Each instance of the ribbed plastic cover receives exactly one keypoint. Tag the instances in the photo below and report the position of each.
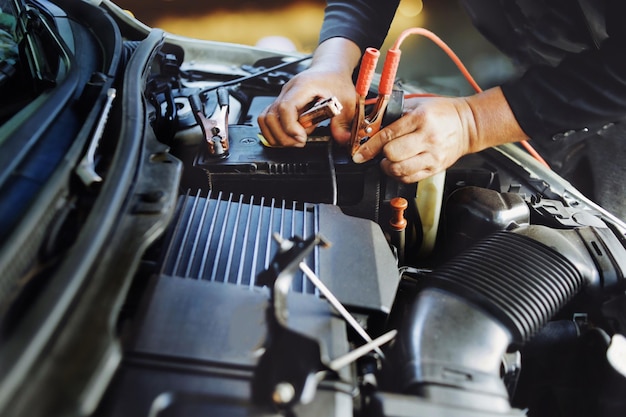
(228, 238)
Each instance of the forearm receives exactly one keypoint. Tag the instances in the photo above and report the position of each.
(365, 22)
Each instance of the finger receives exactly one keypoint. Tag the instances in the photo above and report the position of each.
(377, 142)
(411, 170)
(341, 127)
(265, 131)
(273, 131)
(268, 122)
(288, 118)
(404, 147)
(373, 146)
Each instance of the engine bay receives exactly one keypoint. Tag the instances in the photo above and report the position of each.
(295, 282)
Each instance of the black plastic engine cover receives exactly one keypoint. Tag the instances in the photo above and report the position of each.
(196, 343)
(201, 328)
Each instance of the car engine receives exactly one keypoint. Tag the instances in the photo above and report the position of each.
(295, 282)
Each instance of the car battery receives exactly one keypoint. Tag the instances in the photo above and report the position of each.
(320, 172)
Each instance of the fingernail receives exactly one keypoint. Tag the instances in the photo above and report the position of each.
(357, 158)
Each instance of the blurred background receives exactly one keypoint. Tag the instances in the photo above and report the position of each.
(295, 24)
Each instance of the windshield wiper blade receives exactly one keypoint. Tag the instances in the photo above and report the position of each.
(42, 49)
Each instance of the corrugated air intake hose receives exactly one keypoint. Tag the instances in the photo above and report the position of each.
(494, 295)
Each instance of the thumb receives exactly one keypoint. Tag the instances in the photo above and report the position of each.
(341, 128)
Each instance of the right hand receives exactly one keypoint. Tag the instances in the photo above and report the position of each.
(434, 132)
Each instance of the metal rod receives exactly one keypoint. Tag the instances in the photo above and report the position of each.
(352, 356)
(337, 304)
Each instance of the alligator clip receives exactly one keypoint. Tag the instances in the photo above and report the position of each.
(367, 125)
(320, 110)
(215, 129)
(219, 144)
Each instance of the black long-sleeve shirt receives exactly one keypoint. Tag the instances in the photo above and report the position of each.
(575, 54)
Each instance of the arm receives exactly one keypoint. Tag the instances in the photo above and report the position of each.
(365, 22)
(349, 27)
(586, 89)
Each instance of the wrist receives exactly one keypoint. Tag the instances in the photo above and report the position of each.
(491, 121)
(338, 55)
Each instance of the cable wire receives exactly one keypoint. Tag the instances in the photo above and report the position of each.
(255, 75)
(332, 172)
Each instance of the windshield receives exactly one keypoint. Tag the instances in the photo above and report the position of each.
(9, 53)
(8, 43)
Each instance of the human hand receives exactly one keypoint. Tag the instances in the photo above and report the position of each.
(279, 121)
(430, 136)
(330, 74)
(435, 132)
